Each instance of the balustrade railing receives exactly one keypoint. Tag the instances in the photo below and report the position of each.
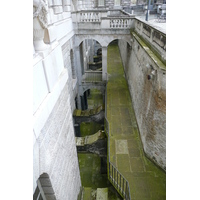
(104, 18)
(155, 37)
(119, 23)
(89, 17)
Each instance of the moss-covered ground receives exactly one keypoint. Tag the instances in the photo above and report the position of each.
(90, 164)
(146, 180)
(95, 99)
(91, 177)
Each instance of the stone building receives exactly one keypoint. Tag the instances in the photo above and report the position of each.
(60, 59)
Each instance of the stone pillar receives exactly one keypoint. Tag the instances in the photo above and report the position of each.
(78, 64)
(104, 63)
(79, 102)
(151, 36)
(79, 75)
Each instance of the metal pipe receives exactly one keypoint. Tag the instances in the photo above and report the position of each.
(147, 14)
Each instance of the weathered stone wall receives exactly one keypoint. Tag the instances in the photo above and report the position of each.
(54, 90)
(148, 99)
(67, 47)
(55, 150)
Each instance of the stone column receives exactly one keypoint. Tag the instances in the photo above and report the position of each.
(78, 64)
(79, 102)
(79, 74)
(104, 63)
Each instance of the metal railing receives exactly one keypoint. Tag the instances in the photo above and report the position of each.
(119, 182)
(115, 177)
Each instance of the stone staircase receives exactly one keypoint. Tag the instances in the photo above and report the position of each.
(92, 194)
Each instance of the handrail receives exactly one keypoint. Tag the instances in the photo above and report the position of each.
(115, 177)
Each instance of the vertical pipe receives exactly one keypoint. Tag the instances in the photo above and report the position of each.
(147, 14)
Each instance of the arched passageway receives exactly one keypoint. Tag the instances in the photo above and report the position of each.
(44, 189)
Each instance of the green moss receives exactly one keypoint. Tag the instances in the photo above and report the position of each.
(145, 179)
(150, 50)
(89, 128)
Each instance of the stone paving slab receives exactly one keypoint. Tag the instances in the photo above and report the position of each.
(146, 180)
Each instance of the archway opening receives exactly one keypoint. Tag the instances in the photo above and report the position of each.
(44, 189)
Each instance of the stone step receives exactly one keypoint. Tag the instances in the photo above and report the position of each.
(87, 193)
(102, 194)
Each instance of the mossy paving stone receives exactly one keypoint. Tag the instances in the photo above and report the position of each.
(125, 112)
(123, 164)
(115, 111)
(87, 193)
(134, 152)
(145, 173)
(137, 164)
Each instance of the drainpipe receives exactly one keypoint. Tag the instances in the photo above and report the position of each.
(147, 14)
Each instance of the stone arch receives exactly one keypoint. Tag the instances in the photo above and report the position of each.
(79, 39)
(101, 88)
(104, 40)
(44, 189)
(128, 40)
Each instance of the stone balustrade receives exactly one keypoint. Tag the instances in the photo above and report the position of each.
(101, 19)
(89, 17)
(156, 38)
(119, 23)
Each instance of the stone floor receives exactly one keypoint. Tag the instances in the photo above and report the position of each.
(146, 180)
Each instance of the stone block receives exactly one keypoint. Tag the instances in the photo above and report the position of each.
(40, 88)
(57, 9)
(50, 34)
(53, 66)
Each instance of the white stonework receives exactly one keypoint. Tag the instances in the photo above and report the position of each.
(40, 10)
(60, 56)
(54, 148)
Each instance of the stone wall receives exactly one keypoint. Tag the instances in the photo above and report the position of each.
(148, 99)
(54, 90)
(55, 150)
